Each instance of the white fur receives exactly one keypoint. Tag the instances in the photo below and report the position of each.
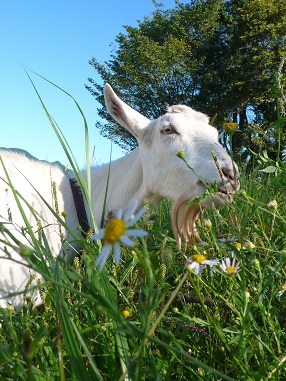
(152, 171)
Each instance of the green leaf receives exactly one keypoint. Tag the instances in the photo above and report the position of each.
(270, 169)
(72, 345)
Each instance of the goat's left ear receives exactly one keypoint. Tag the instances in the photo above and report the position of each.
(125, 115)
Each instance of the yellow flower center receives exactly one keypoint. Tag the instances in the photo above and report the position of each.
(237, 245)
(113, 231)
(230, 270)
(199, 258)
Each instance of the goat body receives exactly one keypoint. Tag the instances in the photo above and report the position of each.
(152, 171)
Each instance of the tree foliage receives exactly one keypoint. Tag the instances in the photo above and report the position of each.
(220, 57)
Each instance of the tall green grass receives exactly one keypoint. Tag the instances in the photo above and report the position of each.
(148, 318)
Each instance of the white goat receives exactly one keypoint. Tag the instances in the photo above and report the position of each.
(152, 171)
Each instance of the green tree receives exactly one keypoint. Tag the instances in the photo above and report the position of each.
(217, 56)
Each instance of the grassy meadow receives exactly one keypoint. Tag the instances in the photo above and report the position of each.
(151, 317)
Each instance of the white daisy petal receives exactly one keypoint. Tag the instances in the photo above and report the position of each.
(98, 235)
(195, 267)
(136, 217)
(117, 253)
(136, 232)
(202, 267)
(211, 262)
(127, 241)
(102, 258)
(118, 214)
(131, 211)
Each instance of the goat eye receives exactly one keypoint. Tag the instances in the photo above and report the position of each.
(168, 130)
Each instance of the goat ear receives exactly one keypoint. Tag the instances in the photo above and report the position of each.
(125, 115)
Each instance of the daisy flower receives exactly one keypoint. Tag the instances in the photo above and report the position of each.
(238, 246)
(115, 232)
(197, 263)
(283, 289)
(229, 266)
(272, 204)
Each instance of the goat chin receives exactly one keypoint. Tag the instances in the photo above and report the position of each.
(183, 219)
(184, 216)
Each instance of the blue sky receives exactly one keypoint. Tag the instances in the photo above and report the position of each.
(56, 39)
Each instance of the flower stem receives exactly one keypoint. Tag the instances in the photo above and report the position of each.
(215, 324)
(159, 318)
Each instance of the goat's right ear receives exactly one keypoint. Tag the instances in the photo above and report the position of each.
(125, 115)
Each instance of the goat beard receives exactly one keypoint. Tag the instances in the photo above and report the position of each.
(183, 218)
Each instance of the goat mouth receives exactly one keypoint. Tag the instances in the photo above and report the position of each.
(226, 194)
(225, 191)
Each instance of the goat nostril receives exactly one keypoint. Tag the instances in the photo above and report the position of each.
(230, 174)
